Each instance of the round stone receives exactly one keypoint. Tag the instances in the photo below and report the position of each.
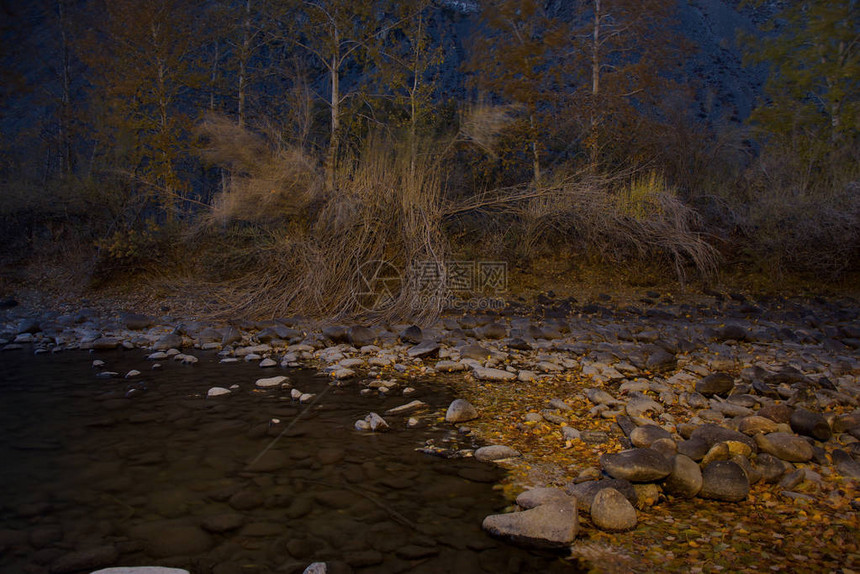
(611, 511)
(724, 480)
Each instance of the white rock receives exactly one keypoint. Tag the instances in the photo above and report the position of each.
(306, 398)
(342, 373)
(407, 408)
(132, 373)
(159, 356)
(271, 381)
(227, 360)
(316, 568)
(217, 392)
(141, 570)
(490, 374)
(266, 363)
(296, 394)
(97, 364)
(190, 360)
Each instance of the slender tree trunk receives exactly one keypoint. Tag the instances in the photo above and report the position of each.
(334, 144)
(535, 148)
(244, 56)
(595, 87)
(66, 160)
(213, 79)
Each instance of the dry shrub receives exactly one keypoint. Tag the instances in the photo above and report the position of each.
(481, 124)
(266, 183)
(794, 231)
(615, 218)
(383, 210)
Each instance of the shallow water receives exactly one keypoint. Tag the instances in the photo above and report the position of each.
(168, 477)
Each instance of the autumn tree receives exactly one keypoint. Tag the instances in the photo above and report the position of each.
(144, 62)
(811, 50)
(334, 32)
(407, 61)
(625, 52)
(516, 59)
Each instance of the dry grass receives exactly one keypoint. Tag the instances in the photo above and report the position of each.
(606, 217)
(314, 245)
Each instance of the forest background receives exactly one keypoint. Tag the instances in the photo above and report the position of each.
(277, 146)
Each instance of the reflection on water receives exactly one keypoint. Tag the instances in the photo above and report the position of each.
(146, 471)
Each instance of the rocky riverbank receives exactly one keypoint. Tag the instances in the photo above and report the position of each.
(717, 435)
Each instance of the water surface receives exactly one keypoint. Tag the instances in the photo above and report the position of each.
(149, 470)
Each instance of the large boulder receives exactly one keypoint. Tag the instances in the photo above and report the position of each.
(137, 321)
(584, 492)
(612, 511)
(495, 452)
(636, 465)
(715, 384)
(460, 410)
(724, 480)
(646, 435)
(169, 341)
(685, 480)
(490, 374)
(360, 336)
(811, 424)
(476, 352)
(712, 434)
(785, 446)
(550, 525)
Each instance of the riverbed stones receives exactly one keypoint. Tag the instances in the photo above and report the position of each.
(372, 422)
(412, 334)
(715, 384)
(685, 480)
(217, 392)
(754, 424)
(359, 336)
(272, 382)
(424, 350)
(636, 465)
(460, 411)
(141, 570)
(712, 434)
(550, 525)
(491, 374)
(785, 446)
(541, 495)
(724, 480)
(845, 464)
(611, 511)
(408, 408)
(645, 435)
(770, 467)
(169, 341)
(808, 423)
(585, 491)
(495, 452)
(474, 351)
